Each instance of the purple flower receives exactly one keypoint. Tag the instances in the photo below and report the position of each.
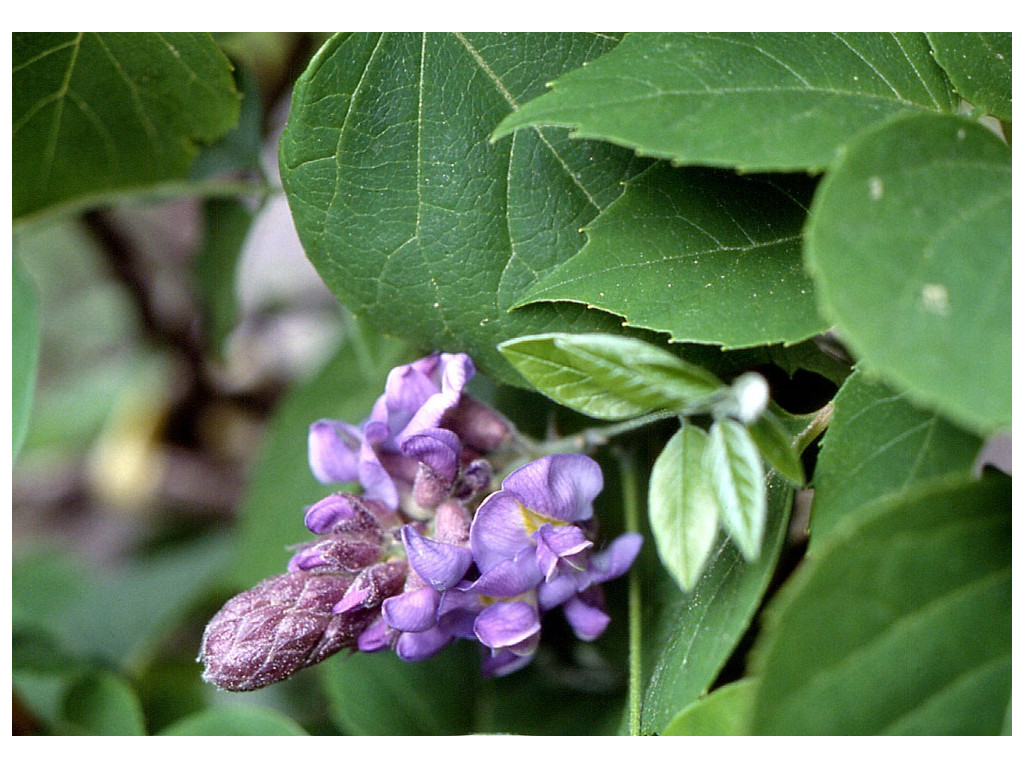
(550, 494)
(416, 398)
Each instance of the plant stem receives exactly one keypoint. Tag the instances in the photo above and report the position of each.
(822, 418)
(631, 509)
(592, 438)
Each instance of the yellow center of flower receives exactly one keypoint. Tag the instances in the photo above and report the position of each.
(532, 521)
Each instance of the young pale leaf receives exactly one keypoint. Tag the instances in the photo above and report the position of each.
(909, 244)
(980, 66)
(610, 377)
(24, 351)
(683, 509)
(901, 625)
(235, 721)
(754, 101)
(99, 112)
(737, 478)
(412, 217)
(724, 712)
(704, 255)
(696, 633)
(877, 443)
(776, 446)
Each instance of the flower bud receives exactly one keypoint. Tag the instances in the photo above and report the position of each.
(479, 426)
(278, 627)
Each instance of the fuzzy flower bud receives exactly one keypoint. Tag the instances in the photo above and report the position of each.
(281, 625)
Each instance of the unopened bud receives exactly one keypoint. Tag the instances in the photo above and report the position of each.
(479, 426)
(278, 627)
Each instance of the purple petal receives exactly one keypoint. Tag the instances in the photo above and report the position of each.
(616, 559)
(418, 646)
(503, 662)
(506, 624)
(376, 481)
(414, 611)
(333, 448)
(458, 611)
(565, 543)
(498, 531)
(587, 621)
(327, 513)
(376, 637)
(456, 371)
(438, 448)
(440, 565)
(562, 486)
(509, 578)
(561, 588)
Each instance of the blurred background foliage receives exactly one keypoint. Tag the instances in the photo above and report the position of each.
(170, 325)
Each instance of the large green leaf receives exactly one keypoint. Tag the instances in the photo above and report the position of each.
(697, 632)
(282, 483)
(412, 217)
(879, 443)
(609, 377)
(901, 625)
(755, 101)
(683, 508)
(704, 255)
(24, 351)
(980, 65)
(97, 112)
(235, 721)
(909, 244)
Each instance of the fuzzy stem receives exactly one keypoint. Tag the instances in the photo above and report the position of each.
(631, 511)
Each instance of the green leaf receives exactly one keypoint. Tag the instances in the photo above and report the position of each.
(102, 704)
(736, 474)
(696, 633)
(97, 112)
(282, 484)
(683, 508)
(609, 377)
(902, 625)
(724, 712)
(878, 443)
(704, 255)
(979, 64)
(235, 720)
(909, 244)
(227, 224)
(24, 351)
(381, 695)
(755, 101)
(412, 217)
(775, 445)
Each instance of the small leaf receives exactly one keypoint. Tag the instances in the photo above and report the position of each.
(24, 351)
(755, 101)
(683, 248)
(683, 509)
(980, 66)
(877, 443)
(96, 112)
(901, 625)
(737, 479)
(102, 704)
(696, 633)
(776, 446)
(610, 377)
(235, 721)
(724, 712)
(909, 243)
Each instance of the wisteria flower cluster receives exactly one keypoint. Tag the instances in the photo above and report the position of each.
(429, 552)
